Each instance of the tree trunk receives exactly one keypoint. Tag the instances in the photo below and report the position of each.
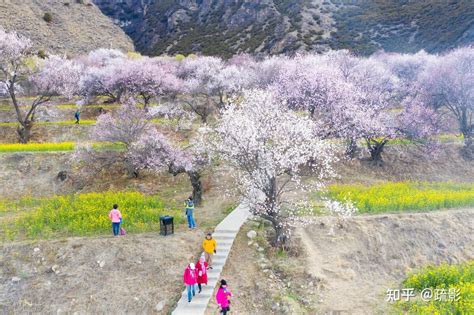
(132, 172)
(221, 100)
(24, 132)
(376, 148)
(281, 236)
(468, 149)
(195, 179)
(351, 148)
(204, 115)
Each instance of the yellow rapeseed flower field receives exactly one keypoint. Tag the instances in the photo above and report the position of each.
(85, 214)
(54, 146)
(37, 147)
(403, 196)
(453, 283)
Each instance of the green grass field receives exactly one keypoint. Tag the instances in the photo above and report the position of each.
(405, 196)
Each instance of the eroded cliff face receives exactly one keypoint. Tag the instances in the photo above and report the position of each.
(74, 28)
(226, 27)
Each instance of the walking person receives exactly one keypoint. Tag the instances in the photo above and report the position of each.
(201, 268)
(223, 296)
(77, 115)
(189, 204)
(190, 280)
(210, 247)
(116, 217)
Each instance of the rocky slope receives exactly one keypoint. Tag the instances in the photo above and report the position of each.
(225, 27)
(76, 26)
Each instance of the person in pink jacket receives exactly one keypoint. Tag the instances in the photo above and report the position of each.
(116, 217)
(190, 280)
(223, 296)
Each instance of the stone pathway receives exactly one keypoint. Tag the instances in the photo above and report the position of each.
(224, 234)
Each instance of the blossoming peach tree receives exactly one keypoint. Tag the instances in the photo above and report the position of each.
(21, 69)
(277, 157)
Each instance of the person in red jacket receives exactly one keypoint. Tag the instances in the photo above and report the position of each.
(201, 268)
(190, 279)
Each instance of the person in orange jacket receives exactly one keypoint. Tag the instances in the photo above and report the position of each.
(210, 247)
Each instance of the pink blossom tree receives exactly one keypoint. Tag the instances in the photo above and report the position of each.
(269, 145)
(209, 82)
(449, 83)
(375, 96)
(103, 81)
(200, 84)
(18, 67)
(147, 78)
(154, 152)
(124, 126)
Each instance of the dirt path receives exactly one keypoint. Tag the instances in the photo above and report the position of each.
(359, 263)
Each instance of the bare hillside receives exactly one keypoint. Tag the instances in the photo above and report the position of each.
(74, 27)
(134, 274)
(357, 264)
(343, 271)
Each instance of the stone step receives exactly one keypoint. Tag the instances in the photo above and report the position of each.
(224, 231)
(224, 242)
(214, 258)
(223, 237)
(198, 296)
(223, 247)
(190, 309)
(224, 234)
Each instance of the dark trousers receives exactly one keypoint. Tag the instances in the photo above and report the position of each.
(224, 310)
(116, 228)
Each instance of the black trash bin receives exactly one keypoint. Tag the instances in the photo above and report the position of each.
(166, 225)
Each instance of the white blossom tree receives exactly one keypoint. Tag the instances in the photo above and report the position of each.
(271, 148)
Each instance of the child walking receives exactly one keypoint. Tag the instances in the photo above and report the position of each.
(201, 267)
(209, 246)
(116, 217)
(223, 297)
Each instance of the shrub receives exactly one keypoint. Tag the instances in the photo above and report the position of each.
(41, 54)
(48, 17)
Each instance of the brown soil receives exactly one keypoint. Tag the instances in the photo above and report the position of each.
(358, 263)
(138, 272)
(264, 281)
(344, 271)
